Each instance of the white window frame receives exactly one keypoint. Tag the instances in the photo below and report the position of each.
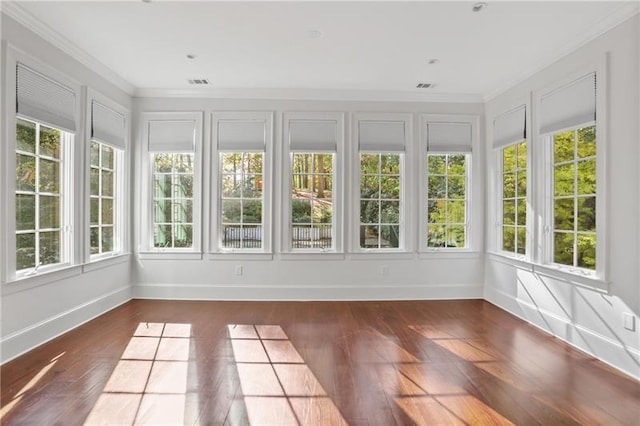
(337, 185)
(474, 185)
(121, 187)
(147, 249)
(215, 248)
(407, 185)
(500, 198)
(70, 187)
(544, 200)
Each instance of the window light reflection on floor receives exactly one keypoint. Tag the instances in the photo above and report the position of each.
(277, 385)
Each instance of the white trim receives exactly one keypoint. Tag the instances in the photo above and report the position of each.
(104, 262)
(626, 10)
(22, 341)
(14, 10)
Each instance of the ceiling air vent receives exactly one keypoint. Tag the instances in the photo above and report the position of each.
(199, 81)
(425, 86)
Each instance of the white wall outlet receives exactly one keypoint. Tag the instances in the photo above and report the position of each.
(629, 321)
(238, 269)
(384, 269)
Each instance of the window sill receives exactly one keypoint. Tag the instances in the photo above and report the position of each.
(556, 272)
(311, 255)
(174, 255)
(42, 278)
(104, 262)
(382, 255)
(449, 254)
(238, 255)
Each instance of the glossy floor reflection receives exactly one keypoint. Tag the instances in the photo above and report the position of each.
(313, 363)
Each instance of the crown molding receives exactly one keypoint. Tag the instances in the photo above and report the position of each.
(20, 15)
(615, 18)
(310, 94)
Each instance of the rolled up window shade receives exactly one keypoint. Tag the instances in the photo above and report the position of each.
(45, 100)
(241, 135)
(308, 135)
(171, 135)
(569, 106)
(510, 127)
(382, 136)
(107, 126)
(449, 137)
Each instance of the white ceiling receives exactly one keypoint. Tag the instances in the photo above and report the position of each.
(379, 46)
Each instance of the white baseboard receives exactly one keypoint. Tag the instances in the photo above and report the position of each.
(21, 341)
(306, 293)
(605, 349)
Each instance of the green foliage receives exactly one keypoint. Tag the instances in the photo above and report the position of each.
(446, 192)
(514, 192)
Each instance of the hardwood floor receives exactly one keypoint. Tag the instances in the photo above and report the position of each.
(313, 363)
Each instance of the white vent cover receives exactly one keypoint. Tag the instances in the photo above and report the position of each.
(199, 81)
(425, 86)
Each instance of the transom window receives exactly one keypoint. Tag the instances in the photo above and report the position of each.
(312, 200)
(241, 199)
(39, 189)
(574, 198)
(447, 200)
(380, 192)
(173, 200)
(514, 198)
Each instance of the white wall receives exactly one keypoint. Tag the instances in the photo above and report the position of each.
(587, 318)
(410, 276)
(37, 309)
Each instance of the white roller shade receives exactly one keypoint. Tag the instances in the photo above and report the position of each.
(171, 135)
(510, 127)
(313, 135)
(449, 137)
(107, 126)
(569, 106)
(383, 136)
(241, 135)
(45, 100)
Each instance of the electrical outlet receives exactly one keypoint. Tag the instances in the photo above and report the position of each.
(629, 321)
(384, 270)
(238, 269)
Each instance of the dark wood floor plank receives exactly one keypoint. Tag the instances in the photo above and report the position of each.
(312, 363)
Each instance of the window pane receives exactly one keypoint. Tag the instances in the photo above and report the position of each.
(95, 182)
(49, 142)
(587, 142)
(49, 247)
(183, 163)
(162, 236)
(456, 187)
(49, 212)
(522, 240)
(390, 164)
(107, 183)
(231, 186)
(587, 177)
(163, 163)
(162, 211)
(437, 211)
(25, 212)
(455, 211)
(26, 136)
(231, 163)
(509, 159)
(390, 212)
(522, 184)
(563, 213)
(389, 236)
(162, 186)
(252, 211)
(563, 147)
(436, 164)
(185, 186)
(436, 236)
(95, 154)
(94, 237)
(508, 185)
(563, 180)
(508, 238)
(369, 163)
(522, 156)
(587, 214)
(25, 173)
(522, 211)
(509, 212)
(370, 211)
(563, 248)
(390, 188)
(455, 236)
(231, 211)
(107, 212)
(182, 211)
(456, 165)
(252, 236)
(369, 186)
(183, 235)
(107, 157)
(587, 251)
(369, 236)
(25, 251)
(437, 186)
(49, 176)
(321, 212)
(107, 239)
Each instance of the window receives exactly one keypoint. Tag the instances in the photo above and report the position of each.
(568, 128)
(514, 198)
(312, 200)
(447, 200)
(446, 186)
(380, 181)
(241, 196)
(40, 185)
(106, 179)
(574, 198)
(173, 200)
(172, 226)
(241, 182)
